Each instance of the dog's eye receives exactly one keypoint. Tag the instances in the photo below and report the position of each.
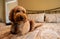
(23, 11)
(18, 11)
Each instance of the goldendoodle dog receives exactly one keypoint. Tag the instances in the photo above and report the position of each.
(20, 23)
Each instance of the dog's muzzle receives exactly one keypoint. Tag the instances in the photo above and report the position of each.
(20, 17)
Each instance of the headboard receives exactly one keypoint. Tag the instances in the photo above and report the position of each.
(50, 11)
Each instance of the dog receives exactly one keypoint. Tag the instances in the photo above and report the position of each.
(20, 23)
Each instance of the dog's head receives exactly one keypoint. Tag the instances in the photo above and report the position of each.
(18, 14)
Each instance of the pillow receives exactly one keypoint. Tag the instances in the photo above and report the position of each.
(36, 17)
(50, 18)
(58, 18)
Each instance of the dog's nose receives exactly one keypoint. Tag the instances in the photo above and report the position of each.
(21, 18)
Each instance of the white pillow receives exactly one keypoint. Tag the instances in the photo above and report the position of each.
(36, 17)
(58, 17)
(50, 18)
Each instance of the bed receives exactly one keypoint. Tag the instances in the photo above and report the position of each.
(50, 28)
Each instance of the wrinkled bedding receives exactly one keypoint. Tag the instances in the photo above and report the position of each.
(46, 31)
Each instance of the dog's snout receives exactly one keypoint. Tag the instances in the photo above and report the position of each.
(21, 17)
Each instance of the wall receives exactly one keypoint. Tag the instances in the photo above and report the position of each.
(2, 10)
(39, 4)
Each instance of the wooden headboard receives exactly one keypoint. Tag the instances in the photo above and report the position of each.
(50, 11)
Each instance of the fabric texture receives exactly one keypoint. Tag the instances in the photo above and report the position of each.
(36, 17)
(58, 18)
(50, 18)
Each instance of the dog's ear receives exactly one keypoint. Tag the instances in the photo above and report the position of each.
(11, 15)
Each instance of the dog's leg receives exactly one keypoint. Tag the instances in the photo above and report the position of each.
(15, 29)
(33, 26)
